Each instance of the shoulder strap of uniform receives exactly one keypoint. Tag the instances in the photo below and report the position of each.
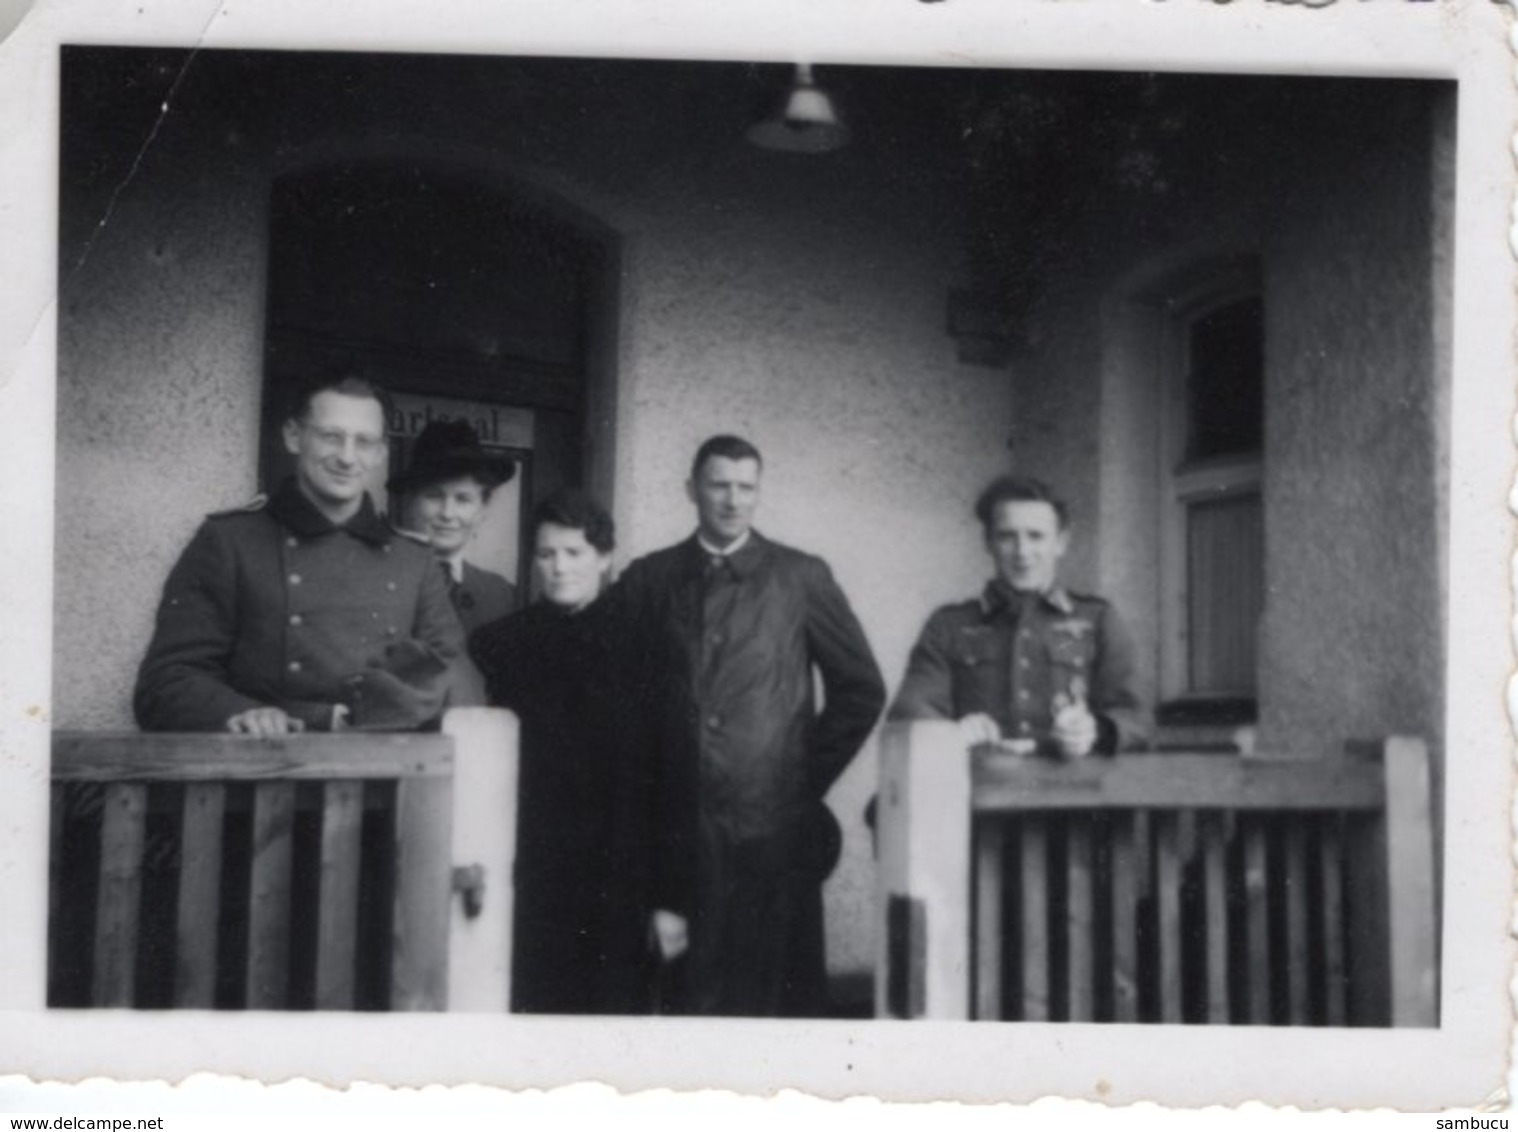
(1088, 599)
(257, 503)
(415, 536)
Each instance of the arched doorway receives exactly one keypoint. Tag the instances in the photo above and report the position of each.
(465, 298)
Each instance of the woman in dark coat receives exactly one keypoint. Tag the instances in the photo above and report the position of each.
(579, 936)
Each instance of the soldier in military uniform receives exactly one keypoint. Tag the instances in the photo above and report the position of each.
(1027, 665)
(305, 611)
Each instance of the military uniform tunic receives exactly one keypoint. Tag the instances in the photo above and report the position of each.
(277, 606)
(1017, 658)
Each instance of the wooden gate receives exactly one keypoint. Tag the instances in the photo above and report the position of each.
(221, 870)
(1164, 887)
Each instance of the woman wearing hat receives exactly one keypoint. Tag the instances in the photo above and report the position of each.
(445, 491)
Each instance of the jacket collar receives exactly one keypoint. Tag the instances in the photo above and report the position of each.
(998, 597)
(293, 510)
(742, 562)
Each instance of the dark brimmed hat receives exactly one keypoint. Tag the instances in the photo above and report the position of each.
(447, 450)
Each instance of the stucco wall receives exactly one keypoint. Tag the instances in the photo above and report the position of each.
(1344, 213)
(1353, 628)
(799, 302)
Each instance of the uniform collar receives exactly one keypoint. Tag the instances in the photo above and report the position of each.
(999, 597)
(293, 510)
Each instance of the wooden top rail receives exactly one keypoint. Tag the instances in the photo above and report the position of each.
(131, 756)
(1016, 783)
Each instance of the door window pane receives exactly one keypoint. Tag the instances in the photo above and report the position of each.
(1226, 587)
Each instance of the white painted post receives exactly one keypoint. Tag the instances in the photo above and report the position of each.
(924, 816)
(485, 761)
(1411, 923)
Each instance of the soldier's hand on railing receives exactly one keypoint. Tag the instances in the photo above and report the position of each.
(978, 728)
(668, 934)
(1075, 729)
(264, 721)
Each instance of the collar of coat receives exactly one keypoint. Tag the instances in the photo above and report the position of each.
(742, 562)
(293, 510)
(1002, 598)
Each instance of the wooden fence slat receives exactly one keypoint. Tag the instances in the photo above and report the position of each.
(1011, 783)
(1167, 883)
(423, 888)
(1331, 867)
(1215, 894)
(1033, 833)
(1125, 896)
(990, 841)
(118, 903)
(197, 915)
(337, 907)
(1295, 902)
(268, 974)
(1256, 926)
(55, 902)
(159, 757)
(1080, 919)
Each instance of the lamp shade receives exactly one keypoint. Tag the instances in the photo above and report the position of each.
(806, 122)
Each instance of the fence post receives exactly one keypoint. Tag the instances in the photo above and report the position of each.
(1410, 866)
(484, 835)
(923, 967)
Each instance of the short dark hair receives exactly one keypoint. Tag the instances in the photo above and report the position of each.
(1018, 489)
(347, 381)
(577, 510)
(724, 446)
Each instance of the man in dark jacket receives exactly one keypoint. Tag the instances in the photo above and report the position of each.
(1028, 664)
(737, 625)
(305, 611)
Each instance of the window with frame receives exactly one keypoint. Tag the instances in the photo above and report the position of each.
(1214, 567)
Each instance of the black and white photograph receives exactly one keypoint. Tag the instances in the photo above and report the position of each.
(840, 551)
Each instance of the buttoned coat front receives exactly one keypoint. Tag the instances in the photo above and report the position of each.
(746, 757)
(276, 606)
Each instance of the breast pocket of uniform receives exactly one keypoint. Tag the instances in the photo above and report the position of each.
(1072, 647)
(978, 646)
(980, 661)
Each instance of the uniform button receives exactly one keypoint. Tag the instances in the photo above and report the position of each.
(1023, 662)
(714, 721)
(387, 548)
(390, 586)
(295, 618)
(294, 666)
(716, 638)
(292, 542)
(391, 631)
(295, 579)
(374, 615)
(1022, 695)
(1023, 727)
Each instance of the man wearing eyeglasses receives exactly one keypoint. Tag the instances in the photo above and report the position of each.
(305, 611)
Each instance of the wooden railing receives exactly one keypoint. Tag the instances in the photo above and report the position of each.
(310, 871)
(1155, 887)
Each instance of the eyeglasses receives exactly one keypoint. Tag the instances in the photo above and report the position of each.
(335, 440)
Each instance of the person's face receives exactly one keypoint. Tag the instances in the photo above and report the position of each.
(725, 493)
(336, 447)
(448, 512)
(570, 570)
(1026, 543)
